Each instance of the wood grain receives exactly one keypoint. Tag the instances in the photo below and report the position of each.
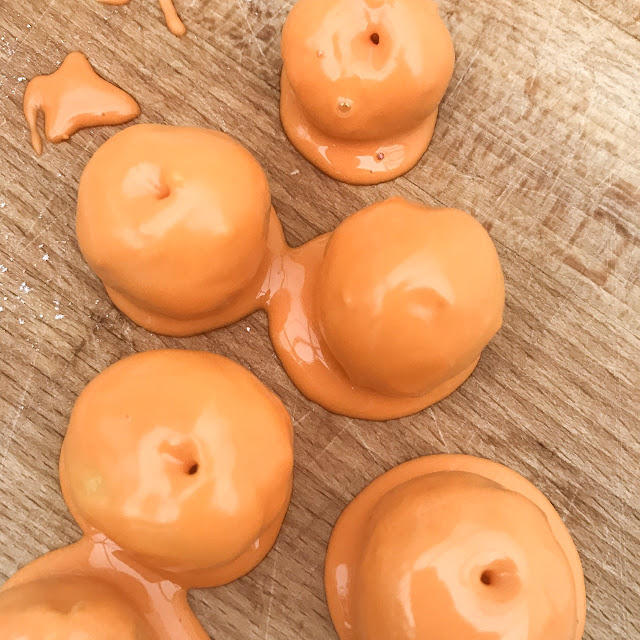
(538, 137)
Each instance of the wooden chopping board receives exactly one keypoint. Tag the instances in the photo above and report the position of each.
(538, 136)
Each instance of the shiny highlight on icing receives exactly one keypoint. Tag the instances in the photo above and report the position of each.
(452, 546)
(379, 319)
(74, 97)
(361, 84)
(177, 465)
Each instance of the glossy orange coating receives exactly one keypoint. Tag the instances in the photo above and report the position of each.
(204, 464)
(178, 467)
(379, 319)
(72, 98)
(162, 603)
(361, 84)
(174, 24)
(453, 546)
(389, 313)
(177, 222)
(70, 607)
(409, 296)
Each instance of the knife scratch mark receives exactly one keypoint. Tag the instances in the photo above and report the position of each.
(253, 35)
(28, 33)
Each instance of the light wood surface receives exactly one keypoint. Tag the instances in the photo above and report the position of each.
(538, 137)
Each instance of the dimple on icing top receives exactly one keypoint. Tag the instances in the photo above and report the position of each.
(361, 84)
(453, 546)
(177, 465)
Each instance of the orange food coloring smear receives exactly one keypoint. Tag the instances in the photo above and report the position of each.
(72, 98)
(174, 24)
(178, 466)
(453, 546)
(361, 84)
(380, 319)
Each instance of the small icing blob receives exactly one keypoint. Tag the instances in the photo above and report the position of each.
(389, 313)
(453, 547)
(72, 98)
(183, 459)
(67, 608)
(177, 222)
(174, 24)
(361, 84)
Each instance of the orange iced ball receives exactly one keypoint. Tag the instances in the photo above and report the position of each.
(453, 553)
(69, 608)
(182, 458)
(174, 221)
(361, 83)
(409, 296)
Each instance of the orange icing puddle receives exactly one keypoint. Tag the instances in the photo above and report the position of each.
(361, 84)
(380, 319)
(452, 546)
(74, 97)
(175, 25)
(174, 487)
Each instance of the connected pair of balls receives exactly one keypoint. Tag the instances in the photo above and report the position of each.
(379, 319)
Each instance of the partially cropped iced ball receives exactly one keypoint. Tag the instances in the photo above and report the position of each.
(174, 221)
(453, 553)
(182, 458)
(69, 608)
(361, 84)
(409, 296)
